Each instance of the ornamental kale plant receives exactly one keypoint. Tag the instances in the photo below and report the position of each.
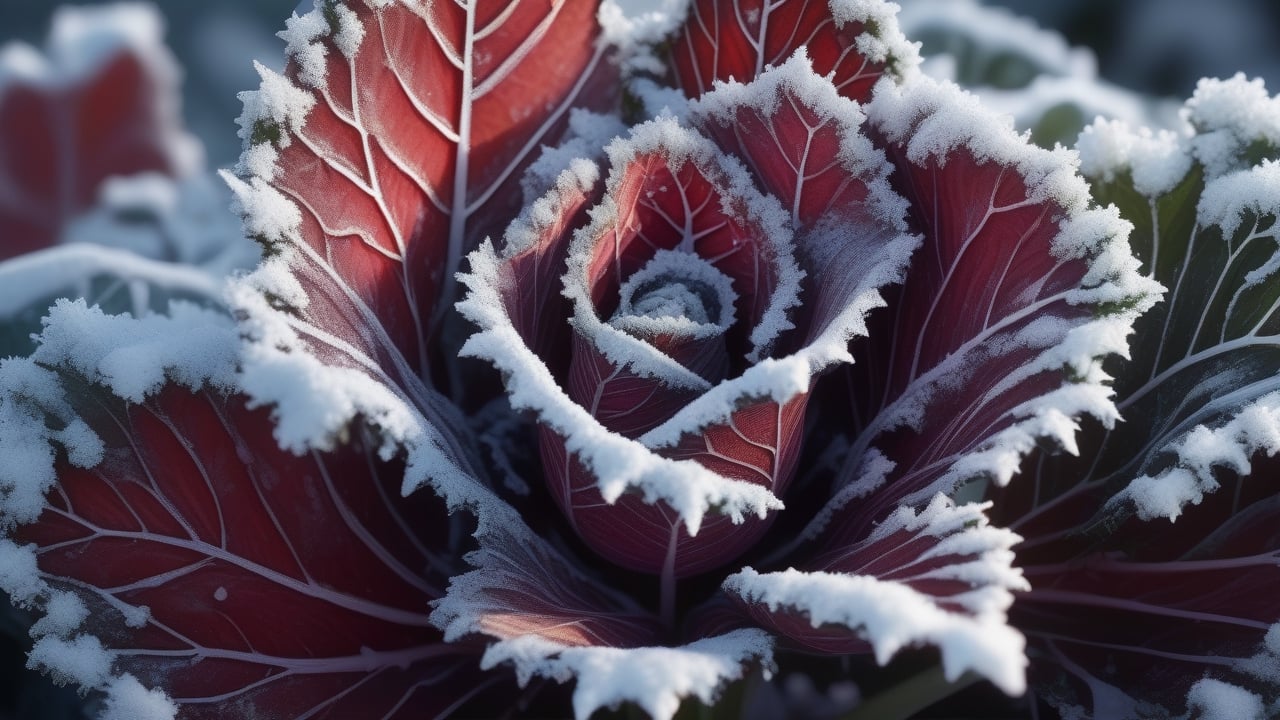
(597, 362)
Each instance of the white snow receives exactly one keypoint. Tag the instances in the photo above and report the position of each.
(350, 31)
(1229, 198)
(930, 119)
(582, 146)
(136, 356)
(1229, 116)
(668, 304)
(312, 402)
(31, 396)
(893, 616)
(887, 44)
(19, 573)
(127, 699)
(66, 270)
(635, 26)
(1157, 161)
(617, 462)
(677, 145)
(279, 103)
(81, 660)
(302, 35)
(63, 613)
(1212, 699)
(655, 678)
(182, 222)
(1254, 429)
(266, 212)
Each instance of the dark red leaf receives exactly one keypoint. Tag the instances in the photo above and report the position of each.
(760, 444)
(274, 585)
(939, 578)
(976, 357)
(740, 38)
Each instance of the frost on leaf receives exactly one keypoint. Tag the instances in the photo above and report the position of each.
(100, 102)
(941, 577)
(995, 341)
(1165, 525)
(853, 41)
(686, 375)
(420, 117)
(182, 549)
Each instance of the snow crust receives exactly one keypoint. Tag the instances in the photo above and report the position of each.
(618, 463)
(931, 119)
(612, 661)
(134, 357)
(884, 42)
(1254, 429)
(302, 36)
(1229, 199)
(655, 678)
(668, 305)
(1157, 161)
(1212, 699)
(131, 358)
(279, 104)
(1229, 116)
(313, 402)
(636, 26)
(678, 145)
(127, 699)
(781, 379)
(1226, 118)
(893, 616)
(81, 659)
(583, 146)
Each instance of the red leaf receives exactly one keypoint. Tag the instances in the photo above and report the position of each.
(977, 349)
(760, 444)
(273, 584)
(101, 104)
(739, 39)
(670, 192)
(940, 578)
(423, 133)
(663, 201)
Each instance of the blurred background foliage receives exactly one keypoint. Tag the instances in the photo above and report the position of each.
(1155, 47)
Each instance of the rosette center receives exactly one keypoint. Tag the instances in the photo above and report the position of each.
(675, 294)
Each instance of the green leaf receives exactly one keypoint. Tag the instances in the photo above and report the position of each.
(1129, 610)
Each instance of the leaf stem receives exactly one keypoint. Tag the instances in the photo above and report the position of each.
(911, 696)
